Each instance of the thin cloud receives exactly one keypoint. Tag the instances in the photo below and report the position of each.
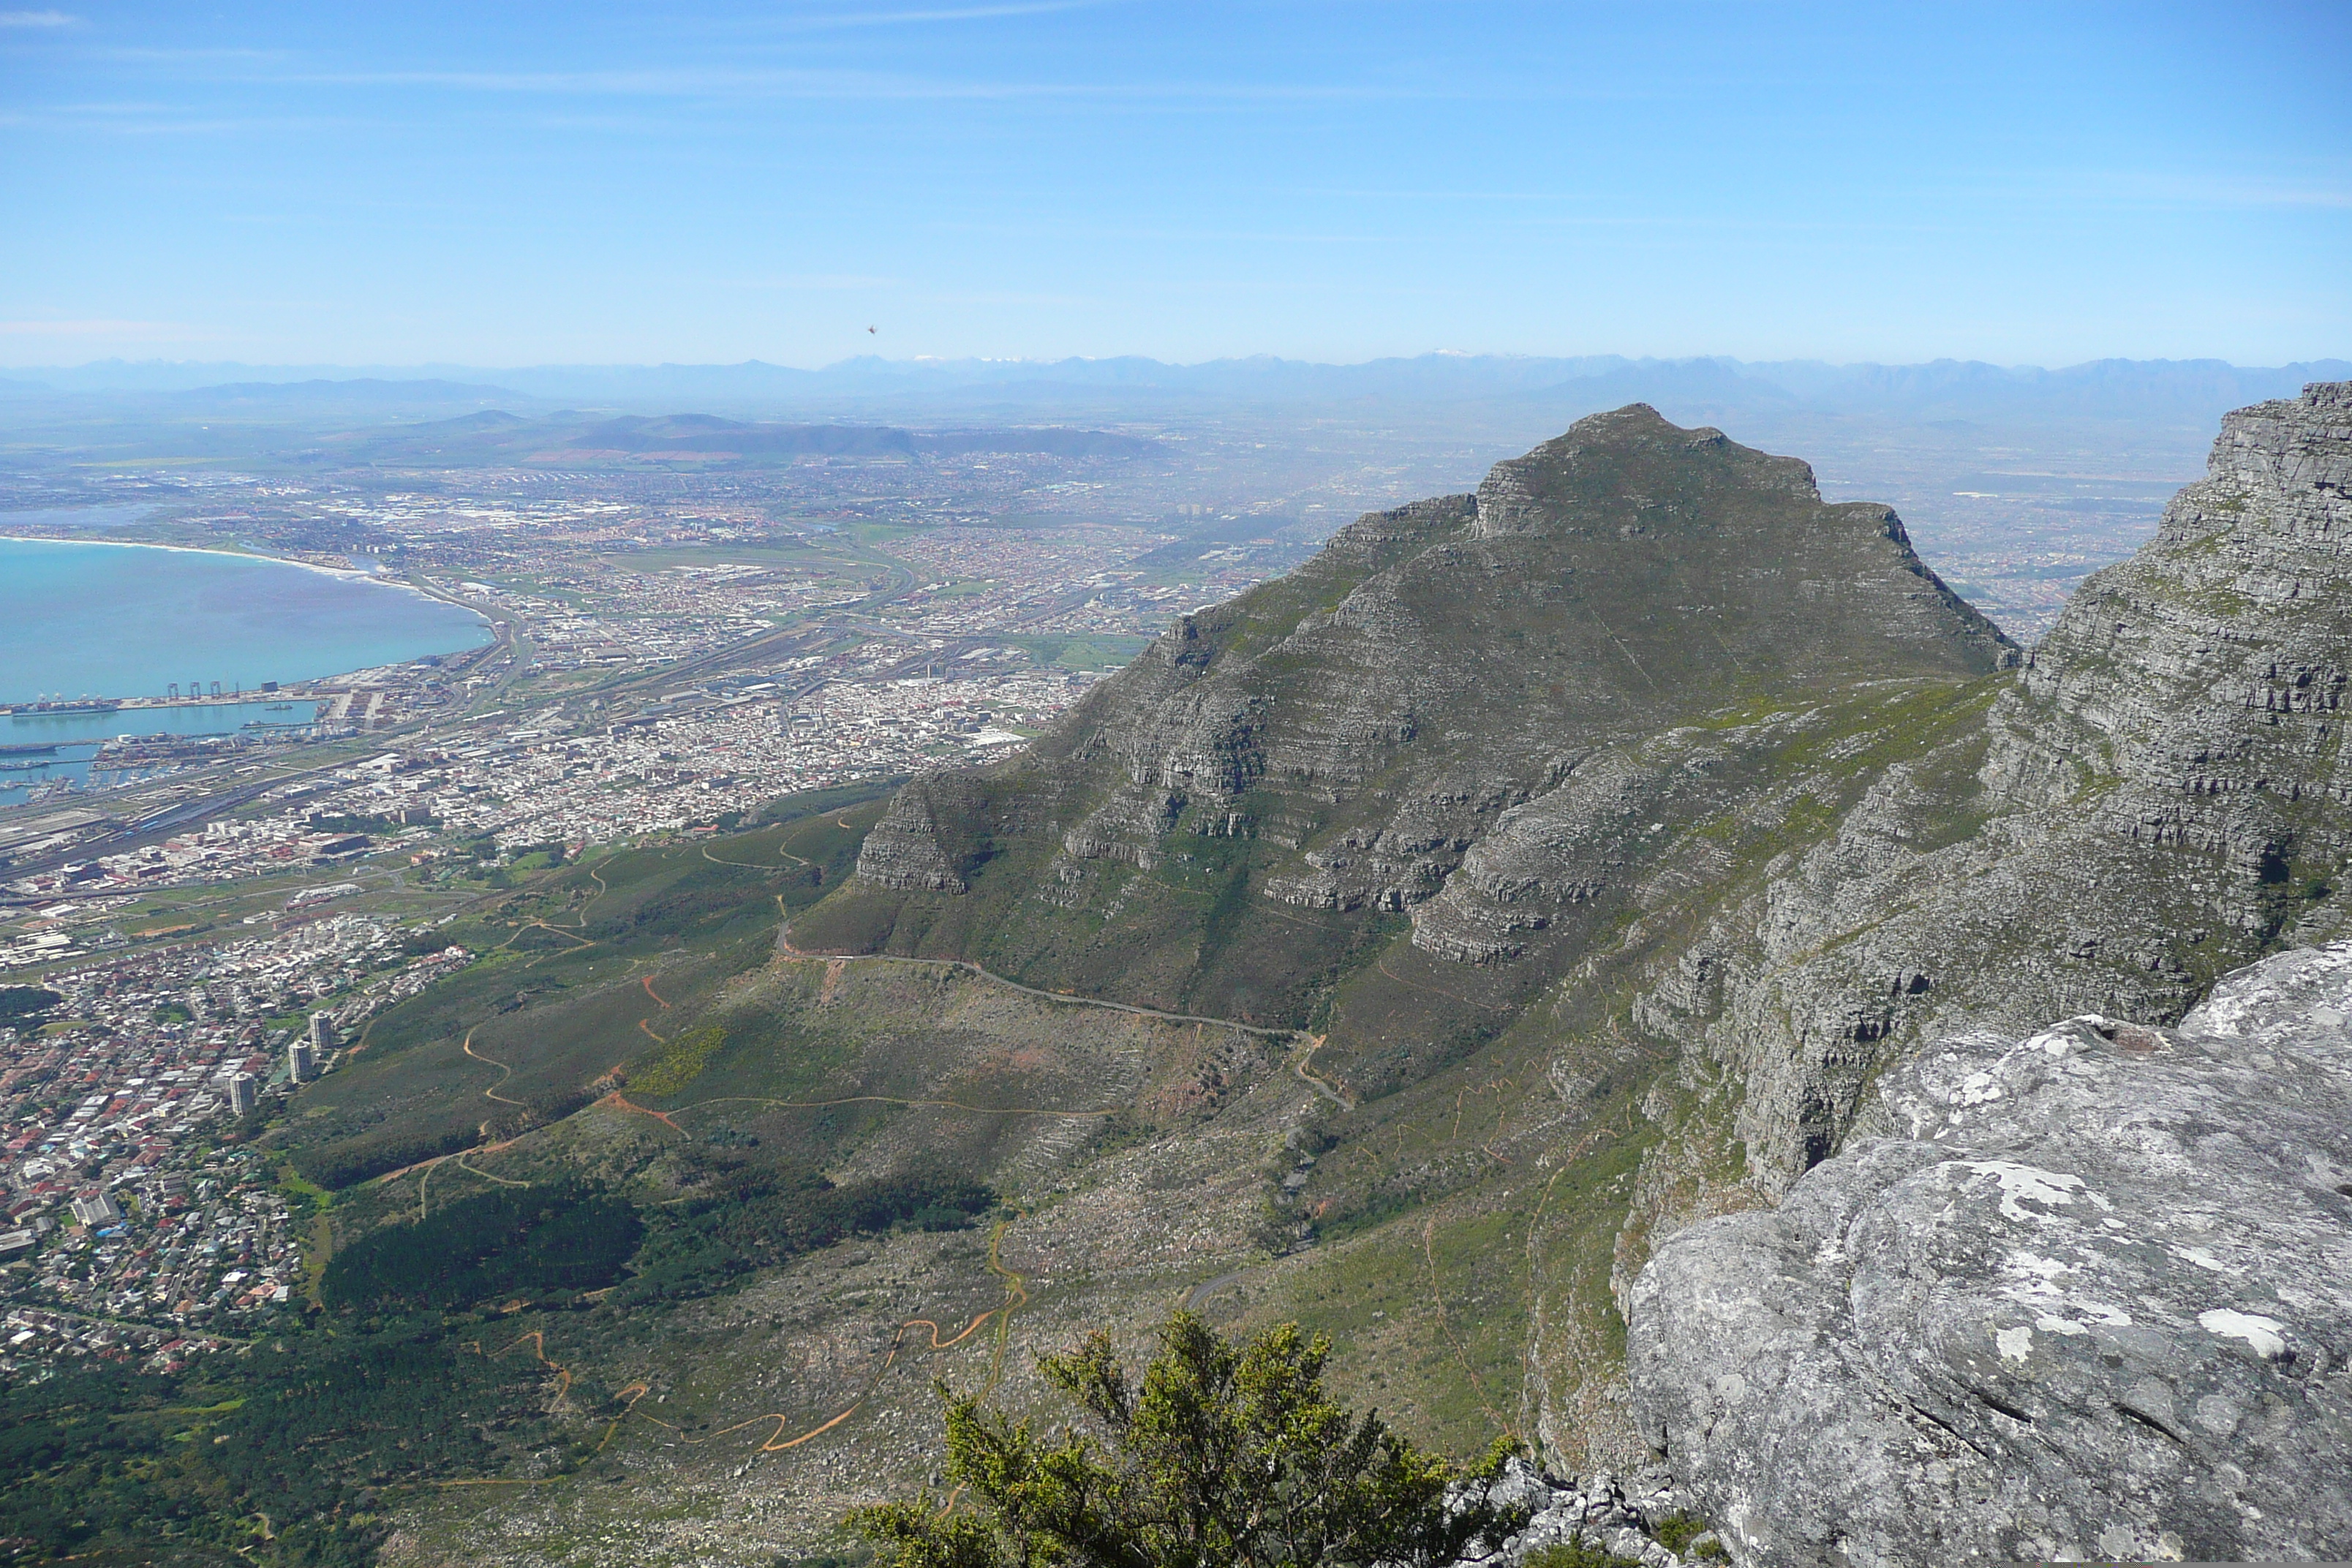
(175, 57)
(162, 120)
(2254, 193)
(2321, 189)
(992, 296)
(37, 19)
(696, 82)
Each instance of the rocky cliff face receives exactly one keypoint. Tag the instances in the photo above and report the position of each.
(2158, 796)
(2084, 1297)
(2203, 676)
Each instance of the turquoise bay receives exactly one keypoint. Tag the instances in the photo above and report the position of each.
(125, 620)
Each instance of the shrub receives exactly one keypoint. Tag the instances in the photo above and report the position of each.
(1578, 1553)
(1221, 1455)
(20, 1004)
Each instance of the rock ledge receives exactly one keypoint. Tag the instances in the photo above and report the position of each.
(2085, 1296)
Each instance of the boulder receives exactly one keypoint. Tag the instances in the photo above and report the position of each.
(2084, 1294)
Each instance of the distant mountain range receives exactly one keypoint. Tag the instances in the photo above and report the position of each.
(493, 434)
(2140, 390)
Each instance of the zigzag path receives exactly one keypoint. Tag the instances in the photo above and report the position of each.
(1309, 1044)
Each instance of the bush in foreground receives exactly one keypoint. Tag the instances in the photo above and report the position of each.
(1222, 1456)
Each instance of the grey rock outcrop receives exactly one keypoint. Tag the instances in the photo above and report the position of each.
(903, 849)
(2209, 667)
(2084, 1294)
(1604, 1511)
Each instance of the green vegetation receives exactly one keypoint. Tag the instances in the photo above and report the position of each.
(677, 1062)
(1096, 651)
(22, 1003)
(753, 1219)
(515, 1240)
(819, 802)
(1578, 1553)
(282, 1455)
(1221, 1455)
(334, 1168)
(1677, 1531)
(578, 971)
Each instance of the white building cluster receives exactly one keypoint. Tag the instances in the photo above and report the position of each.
(128, 1195)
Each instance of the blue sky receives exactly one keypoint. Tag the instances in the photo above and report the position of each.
(515, 183)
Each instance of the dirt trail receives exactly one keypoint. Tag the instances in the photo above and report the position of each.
(1444, 1327)
(646, 1023)
(486, 1146)
(785, 949)
(1309, 1044)
(504, 1072)
(892, 1099)
(1382, 965)
(478, 1171)
(570, 933)
(537, 1341)
(1202, 1292)
(620, 1101)
(782, 854)
(1016, 1296)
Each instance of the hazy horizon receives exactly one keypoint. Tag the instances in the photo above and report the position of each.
(424, 367)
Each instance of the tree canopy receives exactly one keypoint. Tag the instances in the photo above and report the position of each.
(1221, 1455)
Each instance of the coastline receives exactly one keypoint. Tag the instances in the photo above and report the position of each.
(476, 631)
(350, 573)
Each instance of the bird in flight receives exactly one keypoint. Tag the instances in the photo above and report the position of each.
(869, 331)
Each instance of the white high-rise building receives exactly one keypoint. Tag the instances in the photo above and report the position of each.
(301, 1061)
(243, 1094)
(323, 1033)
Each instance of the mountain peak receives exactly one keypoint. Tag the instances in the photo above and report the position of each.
(1635, 461)
(1337, 741)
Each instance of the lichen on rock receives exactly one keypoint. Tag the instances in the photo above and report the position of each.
(2077, 1294)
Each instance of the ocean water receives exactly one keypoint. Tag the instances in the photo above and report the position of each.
(78, 736)
(123, 620)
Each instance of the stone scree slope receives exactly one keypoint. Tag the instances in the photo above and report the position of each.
(2089, 1294)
